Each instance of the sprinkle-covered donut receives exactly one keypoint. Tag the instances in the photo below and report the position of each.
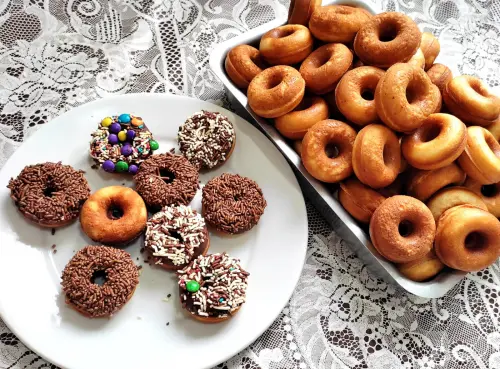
(213, 287)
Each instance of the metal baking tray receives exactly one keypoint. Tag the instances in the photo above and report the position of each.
(323, 196)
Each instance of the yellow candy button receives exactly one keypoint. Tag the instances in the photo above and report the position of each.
(122, 135)
(136, 122)
(106, 122)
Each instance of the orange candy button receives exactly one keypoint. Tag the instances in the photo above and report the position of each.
(136, 122)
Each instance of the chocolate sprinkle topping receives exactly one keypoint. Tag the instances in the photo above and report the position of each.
(49, 193)
(232, 203)
(122, 277)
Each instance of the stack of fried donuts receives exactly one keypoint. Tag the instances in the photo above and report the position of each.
(415, 150)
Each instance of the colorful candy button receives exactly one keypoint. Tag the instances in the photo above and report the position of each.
(130, 135)
(126, 150)
(136, 122)
(192, 286)
(113, 139)
(124, 118)
(106, 122)
(154, 145)
(133, 169)
(122, 135)
(121, 167)
(108, 166)
(115, 128)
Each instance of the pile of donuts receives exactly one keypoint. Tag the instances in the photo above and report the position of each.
(415, 150)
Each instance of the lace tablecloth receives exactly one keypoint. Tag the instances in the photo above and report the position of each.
(57, 54)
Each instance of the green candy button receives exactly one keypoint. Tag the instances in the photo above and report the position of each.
(154, 145)
(121, 166)
(192, 286)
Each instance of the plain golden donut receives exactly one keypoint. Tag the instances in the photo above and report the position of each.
(359, 200)
(467, 238)
(386, 39)
(355, 93)
(438, 142)
(324, 67)
(295, 124)
(300, 11)
(490, 194)
(242, 63)
(481, 157)
(405, 97)
(402, 229)
(430, 48)
(276, 91)
(422, 269)
(494, 129)
(327, 150)
(450, 197)
(469, 99)
(440, 75)
(423, 184)
(337, 23)
(376, 156)
(286, 45)
(418, 59)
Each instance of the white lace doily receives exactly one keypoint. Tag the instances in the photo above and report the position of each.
(56, 54)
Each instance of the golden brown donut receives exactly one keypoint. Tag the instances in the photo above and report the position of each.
(490, 194)
(481, 157)
(354, 94)
(327, 150)
(337, 23)
(425, 183)
(376, 156)
(430, 48)
(324, 67)
(422, 269)
(418, 59)
(359, 200)
(286, 45)
(295, 124)
(437, 143)
(386, 39)
(242, 63)
(469, 99)
(402, 229)
(440, 75)
(300, 11)
(453, 196)
(276, 91)
(494, 129)
(467, 238)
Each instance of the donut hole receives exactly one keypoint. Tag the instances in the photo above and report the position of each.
(332, 150)
(414, 92)
(388, 31)
(166, 175)
(405, 228)
(176, 235)
(237, 197)
(367, 94)
(282, 32)
(386, 154)
(430, 132)
(115, 212)
(49, 191)
(274, 81)
(489, 190)
(99, 277)
(476, 241)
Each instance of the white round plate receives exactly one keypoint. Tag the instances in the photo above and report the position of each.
(151, 331)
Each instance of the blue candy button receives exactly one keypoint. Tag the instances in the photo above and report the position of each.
(124, 118)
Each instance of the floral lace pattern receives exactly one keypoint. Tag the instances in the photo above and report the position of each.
(58, 54)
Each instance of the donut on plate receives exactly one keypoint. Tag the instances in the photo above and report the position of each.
(418, 59)
(359, 200)
(489, 194)
(440, 75)
(430, 48)
(422, 269)
(300, 11)
(286, 45)
(402, 229)
(467, 238)
(494, 129)
(422, 184)
(49, 194)
(453, 196)
(242, 63)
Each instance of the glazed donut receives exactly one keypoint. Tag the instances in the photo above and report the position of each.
(490, 194)
(242, 63)
(376, 156)
(114, 216)
(319, 146)
(286, 45)
(49, 194)
(295, 124)
(276, 91)
(386, 39)
(469, 99)
(494, 129)
(90, 265)
(481, 157)
(325, 66)
(355, 92)
(405, 96)
(440, 75)
(467, 238)
(422, 269)
(337, 23)
(402, 229)
(300, 11)
(425, 183)
(454, 196)
(359, 200)
(430, 47)
(418, 59)
(213, 287)
(438, 142)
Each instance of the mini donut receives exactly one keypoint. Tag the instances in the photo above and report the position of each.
(386, 39)
(49, 194)
(213, 288)
(467, 238)
(286, 45)
(276, 91)
(337, 23)
(359, 200)
(114, 215)
(354, 95)
(405, 96)
(295, 124)
(90, 265)
(418, 59)
(376, 156)
(319, 146)
(166, 179)
(494, 129)
(242, 63)
(422, 269)
(232, 203)
(175, 236)
(430, 47)
(300, 11)
(207, 139)
(440, 75)
(402, 229)
(469, 99)
(481, 157)
(454, 196)
(325, 66)
(438, 142)
(425, 183)
(489, 194)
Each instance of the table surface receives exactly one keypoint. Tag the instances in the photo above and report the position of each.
(58, 54)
